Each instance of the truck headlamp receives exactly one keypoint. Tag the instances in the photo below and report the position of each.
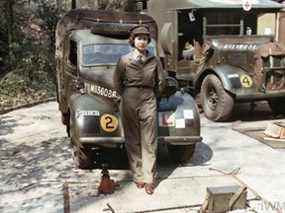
(79, 86)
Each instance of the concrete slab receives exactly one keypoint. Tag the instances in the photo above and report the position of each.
(171, 192)
(262, 167)
(34, 149)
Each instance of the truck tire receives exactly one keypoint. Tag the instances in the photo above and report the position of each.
(216, 102)
(277, 105)
(82, 156)
(181, 154)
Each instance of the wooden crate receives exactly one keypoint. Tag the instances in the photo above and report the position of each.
(225, 198)
(275, 130)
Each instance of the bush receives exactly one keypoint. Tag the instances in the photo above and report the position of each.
(27, 46)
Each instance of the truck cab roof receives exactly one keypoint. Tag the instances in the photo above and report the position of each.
(115, 24)
(87, 37)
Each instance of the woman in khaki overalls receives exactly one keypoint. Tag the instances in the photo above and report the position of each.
(138, 75)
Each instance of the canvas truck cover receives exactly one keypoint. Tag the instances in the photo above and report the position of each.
(187, 4)
(108, 23)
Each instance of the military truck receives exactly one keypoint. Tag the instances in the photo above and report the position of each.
(88, 46)
(219, 51)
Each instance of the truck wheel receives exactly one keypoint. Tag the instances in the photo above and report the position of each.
(181, 153)
(82, 156)
(277, 105)
(216, 102)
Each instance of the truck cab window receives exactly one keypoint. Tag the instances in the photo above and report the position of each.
(215, 23)
(190, 31)
(266, 24)
(250, 24)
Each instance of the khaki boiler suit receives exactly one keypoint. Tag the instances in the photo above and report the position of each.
(137, 80)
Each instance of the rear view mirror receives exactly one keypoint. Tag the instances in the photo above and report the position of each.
(167, 38)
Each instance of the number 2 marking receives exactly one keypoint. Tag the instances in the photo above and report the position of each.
(109, 122)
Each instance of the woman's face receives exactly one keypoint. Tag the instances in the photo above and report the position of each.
(141, 42)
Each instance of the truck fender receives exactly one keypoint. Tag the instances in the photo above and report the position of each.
(179, 107)
(230, 76)
(86, 113)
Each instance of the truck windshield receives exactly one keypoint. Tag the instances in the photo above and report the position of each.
(97, 54)
(107, 53)
(266, 24)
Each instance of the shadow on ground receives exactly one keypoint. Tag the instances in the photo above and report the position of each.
(7, 123)
(118, 160)
(261, 111)
(30, 174)
(202, 155)
(26, 163)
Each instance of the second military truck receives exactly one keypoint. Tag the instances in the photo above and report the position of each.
(220, 50)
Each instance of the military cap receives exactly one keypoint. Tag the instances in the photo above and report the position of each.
(140, 30)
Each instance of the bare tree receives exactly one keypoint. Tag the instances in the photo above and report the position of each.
(117, 5)
(59, 3)
(9, 13)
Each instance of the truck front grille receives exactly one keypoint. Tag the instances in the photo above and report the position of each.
(274, 71)
(275, 80)
(274, 62)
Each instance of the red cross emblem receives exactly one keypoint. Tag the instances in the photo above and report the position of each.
(247, 5)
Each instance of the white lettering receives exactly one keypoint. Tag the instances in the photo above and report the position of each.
(240, 46)
(102, 91)
(233, 76)
(80, 113)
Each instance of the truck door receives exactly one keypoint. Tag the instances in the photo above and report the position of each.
(190, 42)
(168, 41)
(69, 72)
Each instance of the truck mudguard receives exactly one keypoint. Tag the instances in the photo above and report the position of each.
(233, 78)
(91, 117)
(179, 120)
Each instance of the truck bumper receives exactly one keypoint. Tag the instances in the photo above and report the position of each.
(174, 140)
(101, 140)
(179, 140)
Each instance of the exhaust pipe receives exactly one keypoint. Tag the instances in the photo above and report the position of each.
(137, 5)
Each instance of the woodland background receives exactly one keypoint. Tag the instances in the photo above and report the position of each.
(27, 46)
